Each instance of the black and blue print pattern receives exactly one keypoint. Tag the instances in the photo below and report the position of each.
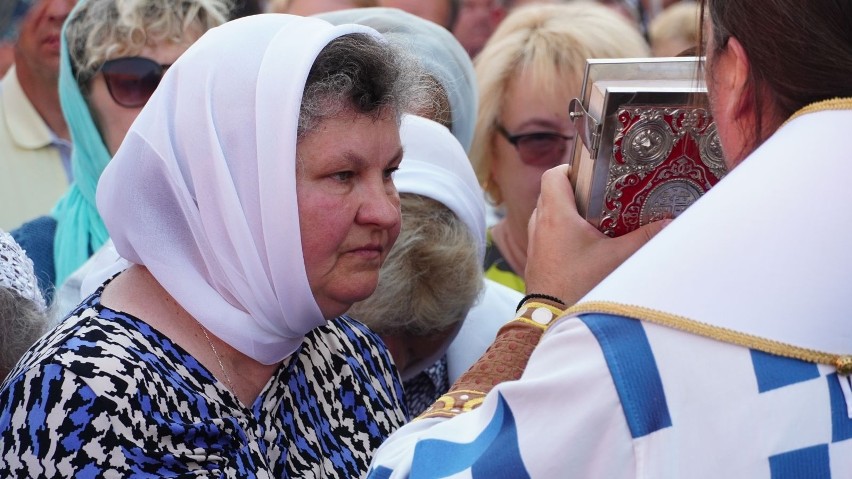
(105, 395)
(424, 389)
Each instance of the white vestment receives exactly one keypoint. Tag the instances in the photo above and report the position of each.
(767, 252)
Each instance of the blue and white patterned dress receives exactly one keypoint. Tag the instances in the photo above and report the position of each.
(105, 395)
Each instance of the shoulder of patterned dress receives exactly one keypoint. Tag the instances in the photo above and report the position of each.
(110, 351)
(347, 353)
(348, 336)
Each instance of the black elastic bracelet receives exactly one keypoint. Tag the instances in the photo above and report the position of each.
(539, 296)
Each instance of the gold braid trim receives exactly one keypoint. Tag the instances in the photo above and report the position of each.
(843, 363)
(454, 403)
(824, 105)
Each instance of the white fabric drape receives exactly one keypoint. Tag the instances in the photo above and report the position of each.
(203, 189)
(435, 165)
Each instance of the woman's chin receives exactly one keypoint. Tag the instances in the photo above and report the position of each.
(339, 303)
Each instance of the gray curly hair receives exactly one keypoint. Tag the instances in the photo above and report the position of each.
(365, 74)
(100, 30)
(431, 277)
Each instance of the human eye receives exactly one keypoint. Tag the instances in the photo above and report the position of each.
(543, 137)
(342, 176)
(388, 173)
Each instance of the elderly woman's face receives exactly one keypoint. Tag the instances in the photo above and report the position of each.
(348, 206)
(114, 120)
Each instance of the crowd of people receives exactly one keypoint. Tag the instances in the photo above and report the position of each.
(339, 239)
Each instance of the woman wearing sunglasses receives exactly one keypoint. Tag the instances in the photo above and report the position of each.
(528, 72)
(253, 196)
(114, 55)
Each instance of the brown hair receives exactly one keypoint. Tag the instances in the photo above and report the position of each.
(799, 52)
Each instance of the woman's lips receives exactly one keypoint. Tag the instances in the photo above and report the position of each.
(371, 251)
(52, 43)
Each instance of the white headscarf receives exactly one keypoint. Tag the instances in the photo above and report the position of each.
(441, 54)
(203, 189)
(434, 165)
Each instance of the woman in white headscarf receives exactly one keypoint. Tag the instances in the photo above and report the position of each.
(254, 197)
(23, 315)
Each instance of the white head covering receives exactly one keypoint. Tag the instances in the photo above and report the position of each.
(16, 271)
(203, 189)
(434, 165)
(441, 54)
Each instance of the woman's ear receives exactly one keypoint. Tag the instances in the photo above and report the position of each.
(740, 89)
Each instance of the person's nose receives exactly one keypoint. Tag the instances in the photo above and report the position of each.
(379, 205)
(58, 10)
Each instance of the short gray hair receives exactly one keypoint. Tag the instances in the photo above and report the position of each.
(364, 74)
(22, 322)
(431, 278)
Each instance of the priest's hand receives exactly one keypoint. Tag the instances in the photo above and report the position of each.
(567, 256)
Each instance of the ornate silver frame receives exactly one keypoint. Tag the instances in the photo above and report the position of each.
(642, 121)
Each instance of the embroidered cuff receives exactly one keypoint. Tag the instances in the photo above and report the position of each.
(538, 313)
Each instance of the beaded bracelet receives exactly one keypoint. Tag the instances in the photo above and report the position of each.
(539, 296)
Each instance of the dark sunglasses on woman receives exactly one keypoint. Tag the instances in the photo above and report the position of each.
(545, 149)
(132, 80)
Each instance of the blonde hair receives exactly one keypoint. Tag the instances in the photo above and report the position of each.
(431, 277)
(677, 22)
(552, 42)
(100, 30)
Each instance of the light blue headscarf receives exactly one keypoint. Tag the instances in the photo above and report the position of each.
(80, 230)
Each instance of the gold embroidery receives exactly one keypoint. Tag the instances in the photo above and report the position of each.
(843, 363)
(454, 403)
(825, 105)
(528, 314)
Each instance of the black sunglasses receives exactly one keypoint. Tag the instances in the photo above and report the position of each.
(540, 148)
(132, 80)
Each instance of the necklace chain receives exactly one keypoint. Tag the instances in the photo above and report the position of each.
(219, 359)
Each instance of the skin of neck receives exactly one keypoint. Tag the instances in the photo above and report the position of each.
(512, 243)
(42, 89)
